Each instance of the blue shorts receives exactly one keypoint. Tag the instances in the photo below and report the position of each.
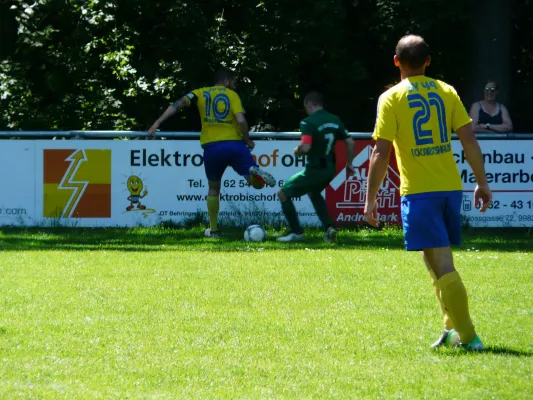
(231, 153)
(432, 219)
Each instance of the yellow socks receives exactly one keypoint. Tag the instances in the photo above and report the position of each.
(448, 323)
(213, 205)
(455, 300)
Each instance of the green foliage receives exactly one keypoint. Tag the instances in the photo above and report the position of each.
(116, 65)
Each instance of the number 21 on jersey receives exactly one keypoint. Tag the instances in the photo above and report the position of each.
(425, 107)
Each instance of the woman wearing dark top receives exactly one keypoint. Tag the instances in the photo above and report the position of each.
(488, 115)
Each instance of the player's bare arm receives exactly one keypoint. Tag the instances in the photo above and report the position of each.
(474, 156)
(350, 145)
(243, 127)
(379, 162)
(170, 111)
(305, 144)
(301, 149)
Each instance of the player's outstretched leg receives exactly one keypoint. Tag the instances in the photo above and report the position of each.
(321, 209)
(241, 160)
(257, 172)
(296, 232)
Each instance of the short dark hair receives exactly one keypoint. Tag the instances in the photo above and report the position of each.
(315, 98)
(412, 51)
(496, 83)
(222, 74)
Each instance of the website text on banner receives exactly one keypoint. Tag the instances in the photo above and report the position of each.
(130, 183)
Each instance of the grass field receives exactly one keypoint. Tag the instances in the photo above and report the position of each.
(160, 313)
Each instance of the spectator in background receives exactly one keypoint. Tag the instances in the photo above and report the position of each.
(488, 115)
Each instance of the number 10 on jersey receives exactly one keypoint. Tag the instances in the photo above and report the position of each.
(211, 105)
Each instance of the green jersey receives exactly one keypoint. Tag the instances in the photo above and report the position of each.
(325, 129)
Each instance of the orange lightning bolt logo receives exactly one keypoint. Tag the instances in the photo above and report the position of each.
(77, 183)
(68, 182)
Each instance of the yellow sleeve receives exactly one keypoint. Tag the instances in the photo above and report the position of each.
(460, 116)
(193, 95)
(386, 125)
(235, 101)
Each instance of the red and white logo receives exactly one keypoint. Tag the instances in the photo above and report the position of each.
(346, 194)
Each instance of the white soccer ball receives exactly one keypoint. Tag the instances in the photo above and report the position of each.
(254, 233)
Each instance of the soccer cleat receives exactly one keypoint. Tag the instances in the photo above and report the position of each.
(441, 341)
(268, 178)
(291, 237)
(452, 339)
(331, 235)
(212, 235)
(257, 182)
(449, 338)
(474, 345)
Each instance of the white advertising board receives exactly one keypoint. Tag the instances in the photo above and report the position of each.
(509, 167)
(131, 183)
(17, 190)
(141, 182)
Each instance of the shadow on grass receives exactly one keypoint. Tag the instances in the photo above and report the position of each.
(498, 350)
(166, 239)
(505, 351)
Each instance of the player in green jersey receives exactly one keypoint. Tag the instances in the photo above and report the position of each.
(320, 130)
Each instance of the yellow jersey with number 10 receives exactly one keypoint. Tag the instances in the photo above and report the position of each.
(218, 106)
(419, 115)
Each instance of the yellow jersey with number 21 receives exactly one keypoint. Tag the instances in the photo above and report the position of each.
(218, 106)
(419, 115)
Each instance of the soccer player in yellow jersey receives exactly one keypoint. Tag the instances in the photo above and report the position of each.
(224, 138)
(417, 117)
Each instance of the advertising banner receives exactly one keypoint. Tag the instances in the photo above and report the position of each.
(346, 194)
(131, 183)
(509, 167)
(17, 189)
(141, 182)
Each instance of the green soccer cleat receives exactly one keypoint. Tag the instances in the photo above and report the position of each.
(474, 345)
(449, 338)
